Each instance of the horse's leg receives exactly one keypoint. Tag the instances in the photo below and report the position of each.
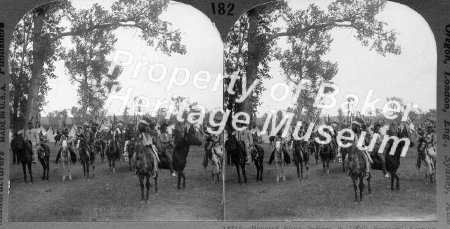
(87, 168)
(179, 180)
(141, 182)
(328, 166)
(243, 173)
(355, 187)
(24, 168)
(361, 188)
(262, 168)
(368, 184)
(278, 171)
(30, 171)
(238, 173)
(156, 184)
(69, 170)
(147, 184)
(392, 181)
(114, 165)
(110, 164)
(43, 170)
(397, 186)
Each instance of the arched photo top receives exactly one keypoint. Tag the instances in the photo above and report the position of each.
(95, 71)
(329, 63)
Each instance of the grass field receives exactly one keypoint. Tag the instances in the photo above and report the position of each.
(329, 197)
(113, 197)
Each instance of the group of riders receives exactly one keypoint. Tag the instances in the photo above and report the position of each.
(159, 137)
(280, 145)
(161, 140)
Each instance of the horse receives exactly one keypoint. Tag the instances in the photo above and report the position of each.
(314, 149)
(301, 156)
(236, 149)
(112, 152)
(99, 148)
(356, 164)
(257, 157)
(144, 167)
(87, 157)
(129, 149)
(183, 138)
(326, 152)
(24, 151)
(393, 161)
(44, 159)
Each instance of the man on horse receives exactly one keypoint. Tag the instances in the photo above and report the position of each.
(357, 127)
(32, 135)
(210, 140)
(87, 135)
(167, 145)
(374, 153)
(146, 135)
(246, 137)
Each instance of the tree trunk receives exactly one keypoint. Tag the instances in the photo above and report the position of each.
(38, 65)
(252, 63)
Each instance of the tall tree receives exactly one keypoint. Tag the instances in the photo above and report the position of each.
(87, 64)
(48, 31)
(261, 31)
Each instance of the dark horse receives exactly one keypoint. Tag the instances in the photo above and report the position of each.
(301, 156)
(24, 152)
(236, 150)
(44, 159)
(393, 161)
(144, 166)
(112, 152)
(183, 139)
(87, 157)
(356, 164)
(327, 154)
(258, 156)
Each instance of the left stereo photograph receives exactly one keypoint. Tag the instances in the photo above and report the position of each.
(112, 113)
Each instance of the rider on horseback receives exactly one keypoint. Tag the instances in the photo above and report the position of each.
(147, 139)
(167, 146)
(87, 135)
(374, 152)
(210, 140)
(357, 128)
(32, 135)
(246, 137)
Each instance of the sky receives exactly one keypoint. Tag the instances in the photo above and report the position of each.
(410, 75)
(204, 53)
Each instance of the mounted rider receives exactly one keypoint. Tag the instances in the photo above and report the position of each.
(146, 135)
(374, 153)
(358, 126)
(211, 139)
(88, 135)
(32, 135)
(246, 137)
(430, 141)
(167, 145)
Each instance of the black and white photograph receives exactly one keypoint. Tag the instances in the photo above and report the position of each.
(107, 103)
(333, 113)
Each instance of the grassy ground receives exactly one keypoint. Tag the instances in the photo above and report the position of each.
(329, 197)
(111, 197)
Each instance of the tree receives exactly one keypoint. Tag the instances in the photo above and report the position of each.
(86, 62)
(254, 35)
(54, 118)
(47, 33)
